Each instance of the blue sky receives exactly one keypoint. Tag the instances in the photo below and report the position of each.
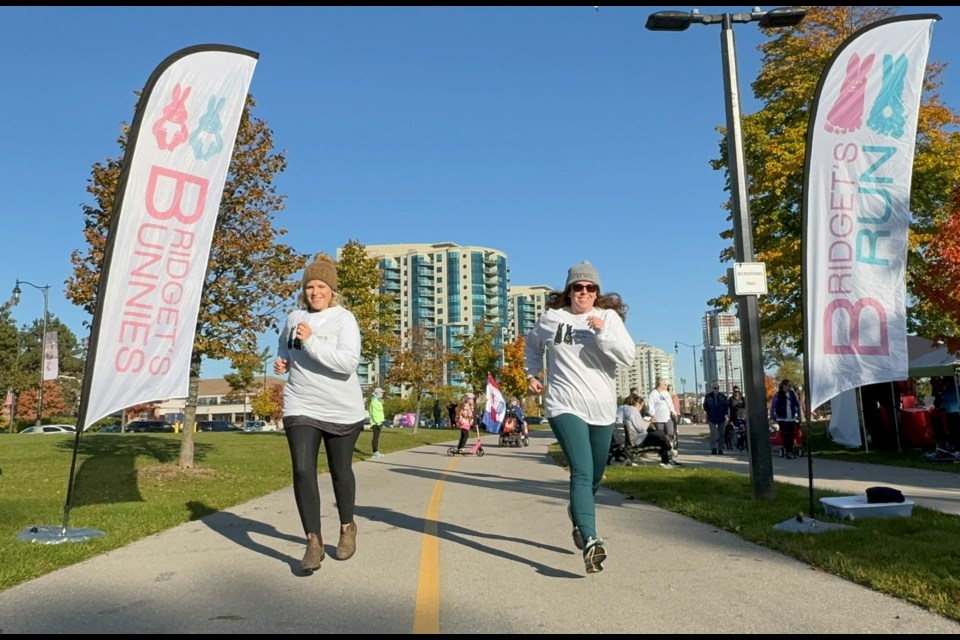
(554, 134)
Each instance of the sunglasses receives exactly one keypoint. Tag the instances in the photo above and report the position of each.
(577, 287)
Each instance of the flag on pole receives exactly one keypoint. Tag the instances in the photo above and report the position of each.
(495, 407)
(859, 166)
(171, 184)
(51, 356)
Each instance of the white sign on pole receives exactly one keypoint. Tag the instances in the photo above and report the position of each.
(750, 278)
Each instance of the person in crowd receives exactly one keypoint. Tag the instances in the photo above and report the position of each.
(640, 434)
(675, 416)
(737, 420)
(437, 413)
(319, 352)
(466, 410)
(521, 419)
(375, 411)
(452, 414)
(786, 411)
(583, 335)
(717, 407)
(660, 405)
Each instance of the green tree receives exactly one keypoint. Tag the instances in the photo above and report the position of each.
(360, 279)
(513, 376)
(249, 272)
(417, 364)
(264, 404)
(244, 381)
(477, 357)
(774, 148)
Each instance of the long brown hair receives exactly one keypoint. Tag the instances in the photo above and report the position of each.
(559, 299)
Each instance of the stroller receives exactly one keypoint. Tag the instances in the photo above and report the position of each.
(513, 431)
(776, 440)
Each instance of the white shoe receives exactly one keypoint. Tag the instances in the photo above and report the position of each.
(377, 454)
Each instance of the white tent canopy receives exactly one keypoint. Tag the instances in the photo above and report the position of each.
(938, 362)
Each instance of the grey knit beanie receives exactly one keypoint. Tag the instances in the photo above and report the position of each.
(583, 271)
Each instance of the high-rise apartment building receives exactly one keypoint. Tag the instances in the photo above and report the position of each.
(446, 289)
(722, 352)
(526, 306)
(650, 363)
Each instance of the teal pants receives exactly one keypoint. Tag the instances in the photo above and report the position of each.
(586, 448)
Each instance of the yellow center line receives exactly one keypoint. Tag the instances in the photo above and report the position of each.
(426, 610)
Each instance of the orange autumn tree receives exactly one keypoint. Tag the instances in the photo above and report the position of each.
(941, 286)
(774, 139)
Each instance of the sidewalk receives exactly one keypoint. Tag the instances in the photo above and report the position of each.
(458, 545)
(932, 489)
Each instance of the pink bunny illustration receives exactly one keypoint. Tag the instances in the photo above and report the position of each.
(846, 115)
(174, 120)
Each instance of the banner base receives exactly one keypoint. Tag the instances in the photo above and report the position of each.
(800, 524)
(51, 534)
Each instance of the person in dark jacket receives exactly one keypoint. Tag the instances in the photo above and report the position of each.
(717, 408)
(785, 410)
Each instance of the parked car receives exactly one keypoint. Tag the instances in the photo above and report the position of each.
(149, 426)
(110, 428)
(256, 425)
(216, 425)
(51, 428)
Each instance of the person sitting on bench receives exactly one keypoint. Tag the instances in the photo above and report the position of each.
(641, 435)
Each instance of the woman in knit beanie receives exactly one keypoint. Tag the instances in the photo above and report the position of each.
(322, 401)
(583, 337)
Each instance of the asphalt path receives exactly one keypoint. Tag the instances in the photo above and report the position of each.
(471, 545)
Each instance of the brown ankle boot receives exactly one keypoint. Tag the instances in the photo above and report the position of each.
(314, 554)
(348, 541)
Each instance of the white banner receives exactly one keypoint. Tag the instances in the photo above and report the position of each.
(857, 206)
(171, 185)
(51, 356)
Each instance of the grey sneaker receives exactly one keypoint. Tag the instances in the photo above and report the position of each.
(577, 536)
(377, 454)
(594, 553)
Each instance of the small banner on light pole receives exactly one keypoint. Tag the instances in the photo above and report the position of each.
(51, 356)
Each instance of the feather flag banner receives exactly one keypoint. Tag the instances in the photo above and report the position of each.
(856, 213)
(171, 184)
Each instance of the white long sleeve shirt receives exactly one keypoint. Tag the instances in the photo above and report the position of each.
(660, 405)
(322, 380)
(581, 362)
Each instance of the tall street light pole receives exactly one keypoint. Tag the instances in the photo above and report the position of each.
(696, 381)
(43, 337)
(761, 463)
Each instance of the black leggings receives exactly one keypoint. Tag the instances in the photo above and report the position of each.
(304, 443)
(375, 445)
(464, 434)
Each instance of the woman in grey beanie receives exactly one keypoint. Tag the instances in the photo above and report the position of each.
(584, 339)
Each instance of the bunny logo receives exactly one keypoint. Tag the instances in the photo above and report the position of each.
(888, 113)
(206, 139)
(846, 115)
(170, 130)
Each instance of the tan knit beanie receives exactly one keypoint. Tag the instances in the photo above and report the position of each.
(323, 268)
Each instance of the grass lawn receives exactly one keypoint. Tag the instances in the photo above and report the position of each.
(131, 486)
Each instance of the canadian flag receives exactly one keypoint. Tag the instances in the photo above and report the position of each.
(495, 407)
